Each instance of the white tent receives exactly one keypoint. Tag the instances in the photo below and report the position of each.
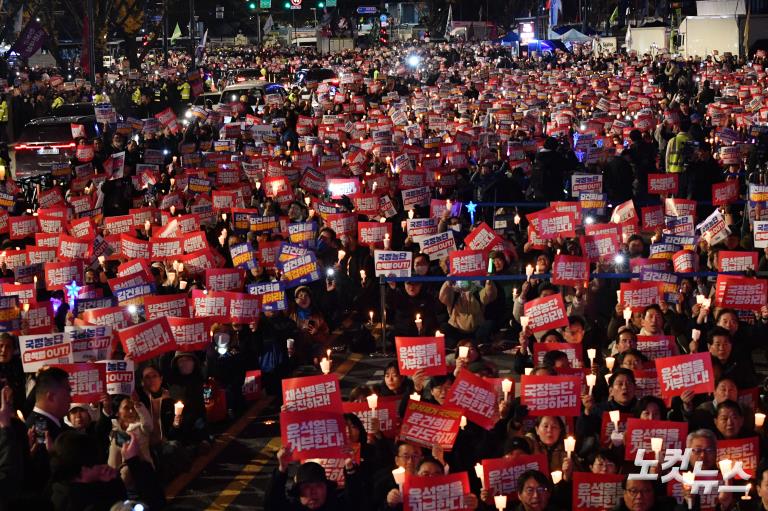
(574, 36)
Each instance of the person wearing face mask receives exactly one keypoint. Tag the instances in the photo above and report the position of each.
(406, 303)
(466, 305)
(453, 224)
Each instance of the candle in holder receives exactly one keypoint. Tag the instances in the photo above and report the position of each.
(438, 333)
(418, 322)
(416, 396)
(411, 213)
(591, 354)
(746, 492)
(528, 371)
(370, 315)
(570, 445)
(500, 501)
(373, 401)
(147, 225)
(362, 275)
(386, 241)
(759, 420)
(609, 361)
(463, 422)
(341, 255)
(615, 416)
(325, 366)
(557, 476)
(399, 475)
(528, 272)
(479, 474)
(591, 380)
(506, 387)
(178, 408)
(627, 315)
(688, 479)
(608, 379)
(656, 444)
(524, 320)
(463, 351)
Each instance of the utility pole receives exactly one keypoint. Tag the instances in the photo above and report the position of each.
(192, 32)
(91, 42)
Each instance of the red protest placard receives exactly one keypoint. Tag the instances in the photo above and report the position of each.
(373, 233)
(22, 226)
(386, 412)
(224, 279)
(500, 475)
(745, 450)
(428, 424)
(477, 397)
(684, 261)
(436, 493)
(483, 238)
(596, 492)
(88, 381)
(640, 432)
(663, 184)
(321, 392)
(732, 261)
(556, 224)
(546, 313)
(725, 193)
(653, 217)
(314, 434)
(147, 340)
(165, 247)
(426, 353)
(252, 385)
(570, 270)
(685, 372)
(607, 427)
(176, 306)
(243, 308)
(600, 246)
(467, 262)
(190, 334)
(573, 351)
(116, 317)
(657, 346)
(740, 292)
(211, 304)
(551, 395)
(639, 295)
(58, 275)
(71, 248)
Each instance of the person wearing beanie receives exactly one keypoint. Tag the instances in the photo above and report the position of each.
(311, 489)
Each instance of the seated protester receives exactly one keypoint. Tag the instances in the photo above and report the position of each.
(226, 367)
(654, 322)
(617, 323)
(436, 389)
(739, 369)
(602, 461)
(527, 294)
(650, 408)
(473, 362)
(430, 467)
(81, 417)
(385, 491)
(266, 347)
(79, 481)
(185, 383)
(466, 302)
(535, 493)
(403, 306)
(745, 338)
(761, 481)
(547, 438)
(314, 335)
(631, 359)
(621, 396)
(729, 421)
(639, 495)
(625, 339)
(371, 448)
(513, 414)
(513, 448)
(393, 383)
(576, 333)
(523, 356)
(133, 421)
(698, 409)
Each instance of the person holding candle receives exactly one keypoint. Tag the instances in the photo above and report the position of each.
(386, 493)
(547, 438)
(185, 383)
(132, 419)
(407, 301)
(699, 410)
(315, 333)
(474, 360)
(621, 392)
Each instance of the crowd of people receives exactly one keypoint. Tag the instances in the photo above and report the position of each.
(410, 142)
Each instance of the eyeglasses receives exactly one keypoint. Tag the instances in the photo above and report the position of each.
(634, 492)
(530, 490)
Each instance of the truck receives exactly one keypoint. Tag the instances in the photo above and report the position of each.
(701, 35)
(653, 40)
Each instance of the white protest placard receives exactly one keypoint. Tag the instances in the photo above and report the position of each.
(393, 263)
(43, 349)
(438, 246)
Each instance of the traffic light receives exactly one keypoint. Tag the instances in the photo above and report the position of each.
(252, 5)
(320, 5)
(287, 5)
(383, 36)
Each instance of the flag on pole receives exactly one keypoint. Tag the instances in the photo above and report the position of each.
(176, 33)
(201, 47)
(449, 22)
(268, 25)
(555, 8)
(746, 30)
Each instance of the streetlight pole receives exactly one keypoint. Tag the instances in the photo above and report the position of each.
(165, 33)
(192, 31)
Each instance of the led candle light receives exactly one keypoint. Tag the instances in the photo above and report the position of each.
(609, 361)
(399, 475)
(615, 416)
(386, 241)
(759, 420)
(746, 493)
(418, 322)
(608, 379)
(178, 408)
(700, 299)
(325, 366)
(591, 354)
(688, 479)
(557, 476)
(524, 322)
(570, 445)
(656, 444)
(328, 353)
(725, 469)
(362, 275)
(373, 401)
(438, 333)
(627, 315)
(463, 351)
(506, 387)
(500, 501)
(416, 396)
(463, 422)
(146, 225)
(370, 315)
(528, 272)
(479, 474)
(528, 371)
(591, 380)
(341, 255)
